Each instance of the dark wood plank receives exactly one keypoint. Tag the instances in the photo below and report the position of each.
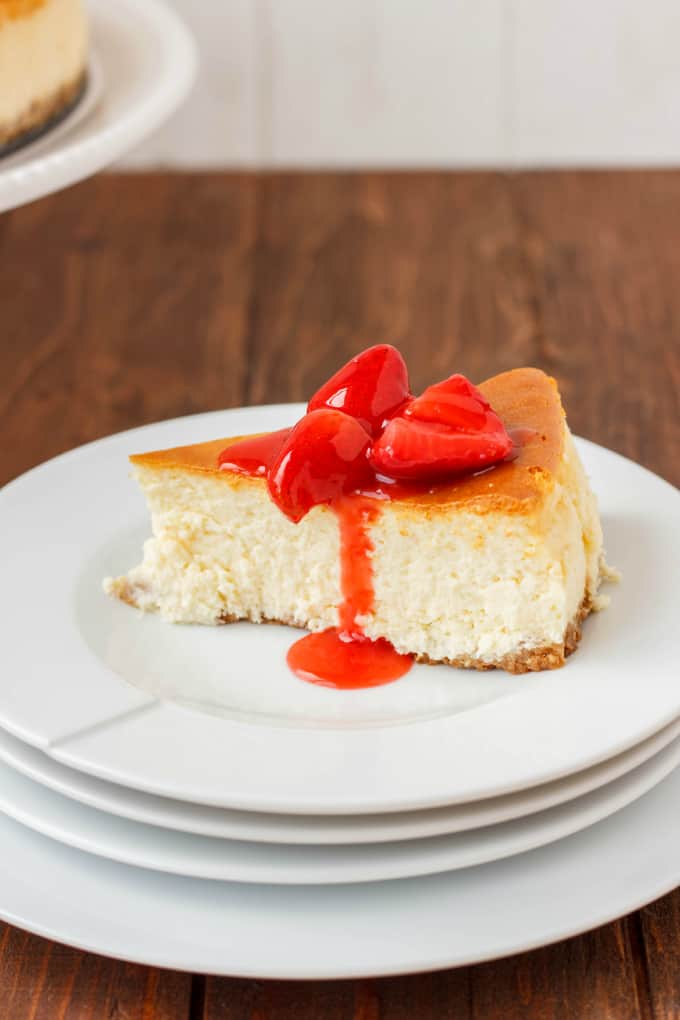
(428, 262)
(592, 976)
(41, 980)
(444, 996)
(602, 254)
(227, 999)
(124, 300)
(660, 926)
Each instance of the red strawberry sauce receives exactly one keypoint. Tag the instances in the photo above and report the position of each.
(365, 439)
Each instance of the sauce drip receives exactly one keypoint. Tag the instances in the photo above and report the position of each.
(354, 514)
(254, 455)
(343, 657)
(328, 661)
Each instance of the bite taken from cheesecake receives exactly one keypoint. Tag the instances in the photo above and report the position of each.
(454, 527)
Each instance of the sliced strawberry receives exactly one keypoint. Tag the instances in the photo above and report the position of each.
(412, 449)
(371, 387)
(324, 457)
(457, 403)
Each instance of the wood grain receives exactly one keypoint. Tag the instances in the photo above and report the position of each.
(602, 253)
(122, 304)
(133, 298)
(593, 976)
(427, 262)
(46, 981)
(660, 925)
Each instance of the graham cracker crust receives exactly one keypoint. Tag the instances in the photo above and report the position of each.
(42, 113)
(528, 660)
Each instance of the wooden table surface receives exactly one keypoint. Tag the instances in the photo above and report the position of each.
(134, 298)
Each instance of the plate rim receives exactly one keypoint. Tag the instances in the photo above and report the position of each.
(146, 846)
(576, 787)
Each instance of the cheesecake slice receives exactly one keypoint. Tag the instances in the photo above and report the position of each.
(489, 568)
(43, 57)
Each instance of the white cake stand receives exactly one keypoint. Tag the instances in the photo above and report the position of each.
(143, 65)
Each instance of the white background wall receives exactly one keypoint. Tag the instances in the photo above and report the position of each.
(428, 83)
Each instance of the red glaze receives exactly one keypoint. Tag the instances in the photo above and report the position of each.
(324, 457)
(328, 660)
(253, 456)
(363, 439)
(343, 657)
(371, 387)
(354, 514)
(411, 449)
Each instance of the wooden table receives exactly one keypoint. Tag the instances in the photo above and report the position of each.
(133, 298)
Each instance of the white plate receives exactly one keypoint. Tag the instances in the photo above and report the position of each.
(148, 61)
(330, 829)
(421, 924)
(264, 740)
(181, 853)
(81, 109)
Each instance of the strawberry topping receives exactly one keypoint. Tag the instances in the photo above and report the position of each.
(409, 449)
(324, 457)
(457, 403)
(363, 429)
(371, 387)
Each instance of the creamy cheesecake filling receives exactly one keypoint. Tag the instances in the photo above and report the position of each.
(472, 588)
(221, 551)
(43, 54)
(479, 587)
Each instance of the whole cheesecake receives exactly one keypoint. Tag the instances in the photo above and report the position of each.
(43, 56)
(495, 566)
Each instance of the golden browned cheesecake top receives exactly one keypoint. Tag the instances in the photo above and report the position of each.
(14, 9)
(527, 401)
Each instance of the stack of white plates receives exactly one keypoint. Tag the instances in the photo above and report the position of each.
(254, 819)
